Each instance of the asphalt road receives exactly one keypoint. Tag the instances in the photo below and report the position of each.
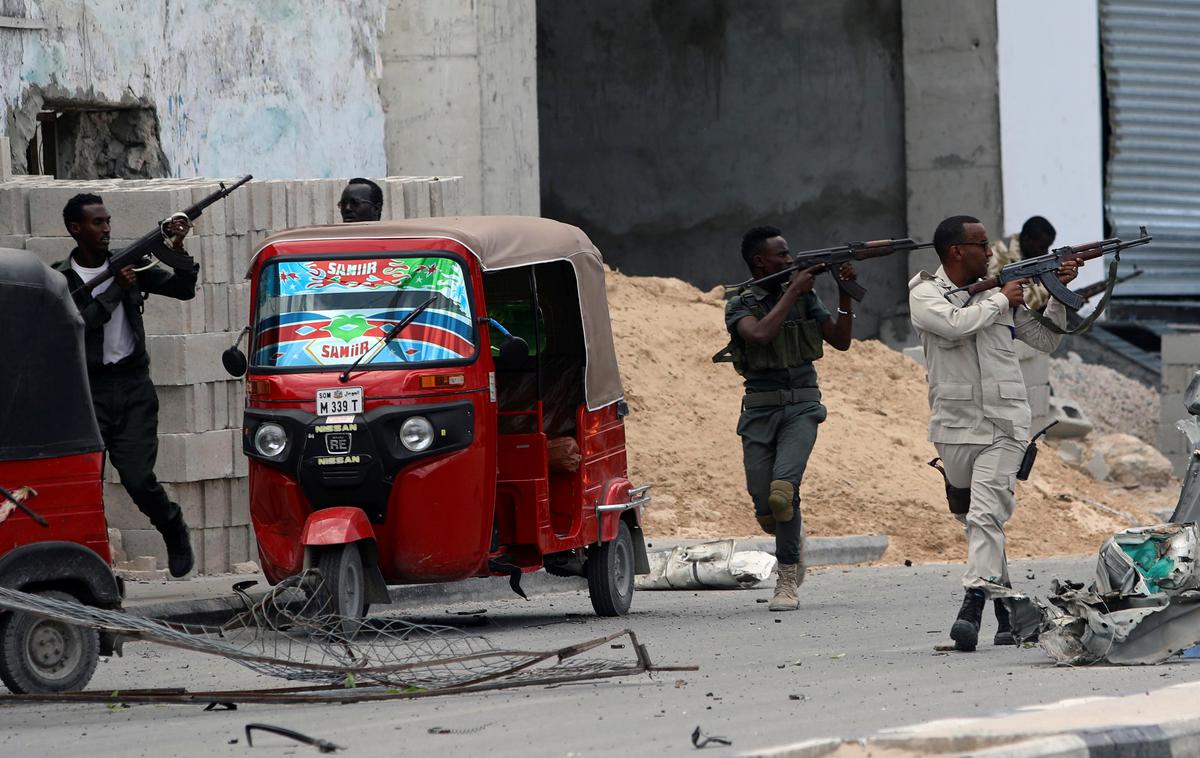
(858, 657)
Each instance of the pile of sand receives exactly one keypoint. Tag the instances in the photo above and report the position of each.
(867, 473)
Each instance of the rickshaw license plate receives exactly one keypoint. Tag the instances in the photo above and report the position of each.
(348, 400)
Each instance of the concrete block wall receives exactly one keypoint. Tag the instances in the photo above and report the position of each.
(200, 457)
(1180, 362)
(1035, 369)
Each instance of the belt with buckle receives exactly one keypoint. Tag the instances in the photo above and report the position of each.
(776, 398)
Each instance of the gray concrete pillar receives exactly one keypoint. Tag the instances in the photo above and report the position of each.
(459, 88)
(951, 117)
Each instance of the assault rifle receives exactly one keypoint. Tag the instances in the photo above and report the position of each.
(1045, 268)
(1088, 291)
(157, 242)
(830, 258)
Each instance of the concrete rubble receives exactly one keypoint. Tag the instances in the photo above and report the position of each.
(706, 566)
(200, 417)
(1142, 608)
(1126, 460)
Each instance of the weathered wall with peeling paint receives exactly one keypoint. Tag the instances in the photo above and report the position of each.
(275, 88)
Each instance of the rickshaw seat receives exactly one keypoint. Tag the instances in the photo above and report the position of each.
(562, 387)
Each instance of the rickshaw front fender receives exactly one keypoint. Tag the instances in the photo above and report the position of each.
(336, 526)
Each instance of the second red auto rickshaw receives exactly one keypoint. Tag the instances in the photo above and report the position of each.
(436, 399)
(53, 534)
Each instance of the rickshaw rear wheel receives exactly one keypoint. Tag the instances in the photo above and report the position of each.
(344, 580)
(610, 570)
(39, 655)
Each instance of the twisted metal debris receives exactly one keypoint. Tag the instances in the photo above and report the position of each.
(290, 633)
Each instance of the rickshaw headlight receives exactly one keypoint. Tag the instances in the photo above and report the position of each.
(416, 433)
(270, 440)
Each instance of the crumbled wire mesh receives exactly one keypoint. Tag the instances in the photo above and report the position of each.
(291, 633)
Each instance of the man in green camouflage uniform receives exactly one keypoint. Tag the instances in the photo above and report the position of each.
(776, 333)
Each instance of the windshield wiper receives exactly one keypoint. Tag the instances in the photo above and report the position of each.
(385, 339)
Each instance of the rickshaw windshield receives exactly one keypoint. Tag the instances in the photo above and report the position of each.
(329, 312)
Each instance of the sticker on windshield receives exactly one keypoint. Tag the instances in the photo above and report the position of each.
(334, 312)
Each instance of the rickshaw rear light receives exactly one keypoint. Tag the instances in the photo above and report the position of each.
(435, 381)
(416, 433)
(270, 440)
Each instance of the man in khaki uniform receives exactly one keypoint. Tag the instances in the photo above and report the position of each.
(980, 415)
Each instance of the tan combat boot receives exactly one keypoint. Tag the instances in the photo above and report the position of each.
(785, 589)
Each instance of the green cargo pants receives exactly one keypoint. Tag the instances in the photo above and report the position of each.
(776, 443)
(127, 412)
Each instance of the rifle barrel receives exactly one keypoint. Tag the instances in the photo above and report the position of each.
(1085, 252)
(856, 251)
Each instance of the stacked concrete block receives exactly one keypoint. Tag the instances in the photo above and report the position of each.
(200, 457)
(1180, 362)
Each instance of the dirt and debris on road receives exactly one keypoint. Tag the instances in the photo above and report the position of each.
(867, 473)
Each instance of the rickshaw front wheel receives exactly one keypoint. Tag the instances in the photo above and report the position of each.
(610, 570)
(40, 655)
(344, 580)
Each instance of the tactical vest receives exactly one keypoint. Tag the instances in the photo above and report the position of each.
(799, 342)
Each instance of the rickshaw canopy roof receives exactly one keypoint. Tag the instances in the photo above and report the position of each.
(45, 399)
(504, 242)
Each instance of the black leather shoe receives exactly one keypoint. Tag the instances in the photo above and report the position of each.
(180, 559)
(965, 631)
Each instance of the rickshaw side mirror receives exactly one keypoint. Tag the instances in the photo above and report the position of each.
(513, 354)
(234, 361)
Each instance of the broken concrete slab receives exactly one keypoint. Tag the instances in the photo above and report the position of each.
(715, 565)
(818, 551)
(1125, 459)
(1071, 453)
(1072, 421)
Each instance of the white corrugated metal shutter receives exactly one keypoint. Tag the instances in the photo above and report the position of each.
(1151, 53)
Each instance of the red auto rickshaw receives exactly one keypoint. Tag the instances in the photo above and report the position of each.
(436, 399)
(53, 534)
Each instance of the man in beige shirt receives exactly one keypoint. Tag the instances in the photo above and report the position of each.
(980, 414)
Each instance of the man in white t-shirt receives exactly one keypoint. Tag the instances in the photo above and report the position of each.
(118, 365)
